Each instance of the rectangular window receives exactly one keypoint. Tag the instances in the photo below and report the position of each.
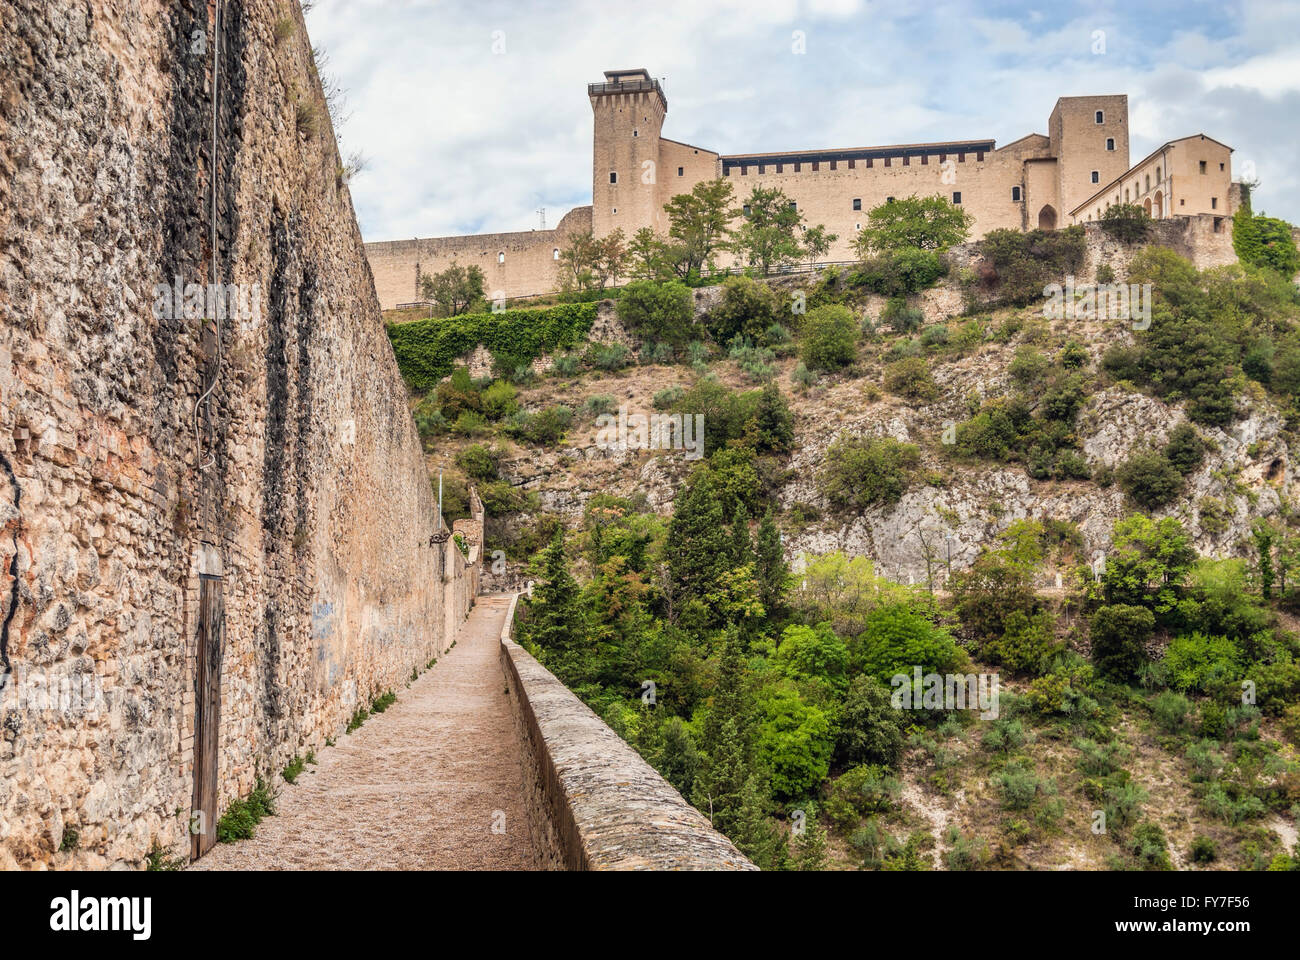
(780, 168)
(925, 159)
(1110, 143)
(870, 162)
(793, 205)
(833, 163)
(943, 157)
(1220, 166)
(1015, 193)
(886, 161)
(1100, 117)
(857, 203)
(744, 170)
(853, 164)
(906, 160)
(961, 158)
(956, 196)
(613, 177)
(1202, 166)
(798, 167)
(979, 156)
(681, 171)
(816, 165)
(762, 169)
(1214, 203)
(889, 199)
(1096, 176)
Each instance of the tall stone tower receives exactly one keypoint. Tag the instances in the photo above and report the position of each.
(1089, 138)
(629, 109)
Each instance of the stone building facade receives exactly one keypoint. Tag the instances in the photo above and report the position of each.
(264, 462)
(1039, 181)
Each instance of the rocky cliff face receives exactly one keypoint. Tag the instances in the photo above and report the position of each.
(303, 468)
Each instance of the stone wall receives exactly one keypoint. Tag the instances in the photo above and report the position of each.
(304, 470)
(593, 803)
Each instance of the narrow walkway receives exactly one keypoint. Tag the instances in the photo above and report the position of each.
(418, 787)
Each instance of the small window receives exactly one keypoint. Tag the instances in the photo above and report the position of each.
(798, 167)
(1015, 194)
(956, 196)
(1214, 203)
(857, 203)
(1202, 166)
(793, 205)
(613, 177)
(1100, 117)
(1147, 182)
(681, 171)
(1110, 143)
(745, 209)
(925, 159)
(961, 158)
(979, 156)
(555, 254)
(636, 133)
(762, 169)
(888, 161)
(817, 165)
(907, 161)
(1096, 176)
(833, 162)
(1126, 194)
(616, 209)
(857, 226)
(1182, 203)
(1218, 224)
(1157, 174)
(1220, 166)
(744, 170)
(780, 168)
(501, 257)
(889, 199)
(853, 164)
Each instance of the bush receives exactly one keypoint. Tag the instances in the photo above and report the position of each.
(1126, 222)
(663, 310)
(1149, 479)
(1185, 449)
(747, 309)
(860, 791)
(794, 741)
(1199, 663)
(667, 398)
(1265, 242)
(802, 376)
(609, 356)
(859, 472)
(1119, 634)
(829, 338)
(1203, 850)
(545, 427)
(601, 403)
(899, 273)
(499, 400)
(1027, 367)
(895, 639)
(900, 317)
(1148, 846)
(910, 378)
(1170, 710)
(1022, 264)
(479, 462)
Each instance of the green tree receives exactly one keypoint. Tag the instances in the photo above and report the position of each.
(697, 542)
(1265, 242)
(554, 622)
(766, 235)
(860, 471)
(897, 638)
(869, 730)
(663, 311)
(817, 242)
(698, 221)
(1149, 479)
(455, 290)
(924, 223)
(771, 570)
(793, 741)
(742, 547)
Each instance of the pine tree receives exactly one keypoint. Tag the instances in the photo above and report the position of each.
(554, 620)
(810, 846)
(770, 567)
(742, 548)
(697, 546)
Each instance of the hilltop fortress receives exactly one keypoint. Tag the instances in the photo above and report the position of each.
(1069, 175)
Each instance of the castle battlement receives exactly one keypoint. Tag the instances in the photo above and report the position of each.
(1069, 175)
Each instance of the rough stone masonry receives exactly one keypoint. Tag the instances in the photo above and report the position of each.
(302, 468)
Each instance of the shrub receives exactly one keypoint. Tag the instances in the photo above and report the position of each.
(802, 376)
(859, 472)
(860, 791)
(1074, 356)
(500, 498)
(899, 273)
(1148, 846)
(470, 424)
(545, 427)
(499, 400)
(667, 398)
(664, 310)
(566, 365)
(910, 378)
(1185, 449)
(1170, 710)
(934, 336)
(747, 309)
(1203, 850)
(1265, 242)
(609, 356)
(1200, 663)
(829, 338)
(793, 740)
(900, 317)
(601, 403)
(1119, 633)
(1022, 264)
(1027, 367)
(1149, 479)
(1126, 222)
(479, 462)
(1028, 643)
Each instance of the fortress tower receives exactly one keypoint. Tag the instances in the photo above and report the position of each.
(1089, 140)
(628, 110)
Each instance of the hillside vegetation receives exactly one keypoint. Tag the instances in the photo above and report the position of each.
(1097, 513)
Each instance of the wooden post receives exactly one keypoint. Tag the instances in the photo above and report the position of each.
(207, 702)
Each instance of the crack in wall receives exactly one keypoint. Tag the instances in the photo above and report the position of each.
(5, 667)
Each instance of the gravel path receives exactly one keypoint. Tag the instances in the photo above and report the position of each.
(419, 787)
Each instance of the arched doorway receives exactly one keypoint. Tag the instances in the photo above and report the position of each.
(1047, 218)
(1146, 205)
(1158, 210)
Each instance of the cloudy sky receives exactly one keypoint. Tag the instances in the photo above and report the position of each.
(473, 113)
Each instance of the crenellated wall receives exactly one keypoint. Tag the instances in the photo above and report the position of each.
(304, 471)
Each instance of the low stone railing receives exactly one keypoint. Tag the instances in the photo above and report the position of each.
(593, 803)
